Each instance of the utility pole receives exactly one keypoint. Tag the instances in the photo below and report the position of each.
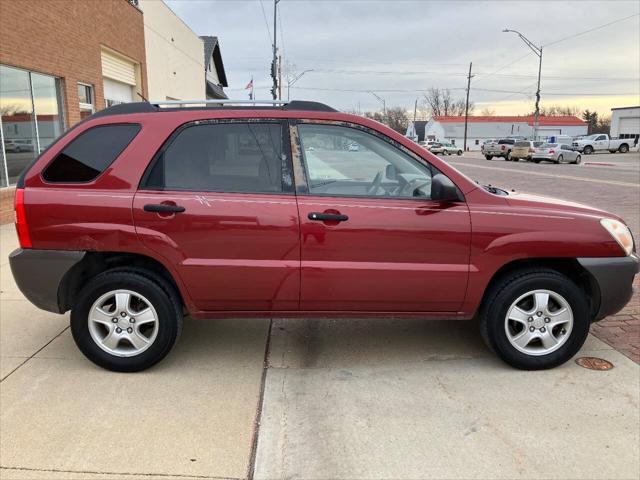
(466, 107)
(415, 111)
(280, 77)
(538, 51)
(274, 72)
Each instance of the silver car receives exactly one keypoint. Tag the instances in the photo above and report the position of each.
(556, 153)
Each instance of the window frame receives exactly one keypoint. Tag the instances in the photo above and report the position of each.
(287, 176)
(300, 168)
(97, 177)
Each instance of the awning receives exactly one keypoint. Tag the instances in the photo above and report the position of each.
(215, 91)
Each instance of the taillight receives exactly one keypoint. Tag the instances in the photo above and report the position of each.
(502, 147)
(552, 151)
(21, 220)
(531, 150)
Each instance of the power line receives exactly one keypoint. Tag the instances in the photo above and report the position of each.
(503, 67)
(266, 23)
(591, 29)
(284, 52)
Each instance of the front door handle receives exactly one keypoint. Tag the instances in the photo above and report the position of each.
(327, 217)
(163, 208)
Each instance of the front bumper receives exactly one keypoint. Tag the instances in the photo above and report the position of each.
(614, 277)
(38, 274)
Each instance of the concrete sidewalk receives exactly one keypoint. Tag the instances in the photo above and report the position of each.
(342, 399)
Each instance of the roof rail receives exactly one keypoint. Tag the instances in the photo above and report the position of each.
(148, 107)
(284, 104)
(218, 102)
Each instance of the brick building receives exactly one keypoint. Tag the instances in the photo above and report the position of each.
(65, 60)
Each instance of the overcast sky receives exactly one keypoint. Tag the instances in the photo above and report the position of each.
(398, 49)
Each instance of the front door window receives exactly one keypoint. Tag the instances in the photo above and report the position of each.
(345, 161)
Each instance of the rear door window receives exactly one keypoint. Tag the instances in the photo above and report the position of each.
(221, 157)
(90, 153)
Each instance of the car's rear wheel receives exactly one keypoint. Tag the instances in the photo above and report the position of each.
(459, 152)
(560, 159)
(125, 321)
(535, 319)
(624, 148)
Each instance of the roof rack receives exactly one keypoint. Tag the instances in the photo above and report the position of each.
(148, 107)
(229, 103)
(218, 102)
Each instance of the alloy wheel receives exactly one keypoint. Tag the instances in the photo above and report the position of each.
(538, 322)
(123, 323)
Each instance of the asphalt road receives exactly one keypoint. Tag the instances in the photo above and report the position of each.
(607, 181)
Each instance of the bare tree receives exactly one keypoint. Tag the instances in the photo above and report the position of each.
(487, 112)
(433, 101)
(395, 117)
(439, 102)
(557, 110)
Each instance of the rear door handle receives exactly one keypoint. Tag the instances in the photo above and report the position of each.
(163, 208)
(327, 217)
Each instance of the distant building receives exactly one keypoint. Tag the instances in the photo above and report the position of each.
(480, 128)
(61, 61)
(214, 75)
(416, 130)
(174, 55)
(625, 122)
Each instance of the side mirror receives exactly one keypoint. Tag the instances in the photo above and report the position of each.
(443, 189)
(390, 172)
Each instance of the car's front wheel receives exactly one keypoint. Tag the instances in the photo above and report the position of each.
(535, 319)
(488, 157)
(125, 321)
(577, 160)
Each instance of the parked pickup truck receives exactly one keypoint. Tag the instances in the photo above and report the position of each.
(601, 141)
(501, 148)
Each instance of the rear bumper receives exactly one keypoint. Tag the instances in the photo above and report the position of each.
(614, 277)
(38, 274)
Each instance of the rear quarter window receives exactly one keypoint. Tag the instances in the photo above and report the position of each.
(90, 153)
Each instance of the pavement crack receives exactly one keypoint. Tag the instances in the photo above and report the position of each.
(33, 355)
(256, 424)
(97, 472)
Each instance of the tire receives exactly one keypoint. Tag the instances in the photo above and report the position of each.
(163, 305)
(459, 152)
(445, 152)
(577, 160)
(624, 148)
(560, 159)
(536, 160)
(499, 301)
(489, 157)
(588, 150)
(508, 157)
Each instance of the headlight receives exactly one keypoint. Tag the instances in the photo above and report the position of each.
(620, 232)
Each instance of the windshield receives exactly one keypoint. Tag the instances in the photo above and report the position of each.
(521, 144)
(592, 137)
(549, 145)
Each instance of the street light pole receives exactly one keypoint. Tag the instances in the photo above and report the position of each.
(538, 51)
(384, 103)
(298, 77)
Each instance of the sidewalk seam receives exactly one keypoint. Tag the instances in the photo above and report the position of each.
(92, 472)
(33, 355)
(256, 425)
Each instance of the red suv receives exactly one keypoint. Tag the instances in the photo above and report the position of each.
(143, 213)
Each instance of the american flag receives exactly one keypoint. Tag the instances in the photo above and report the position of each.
(250, 87)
